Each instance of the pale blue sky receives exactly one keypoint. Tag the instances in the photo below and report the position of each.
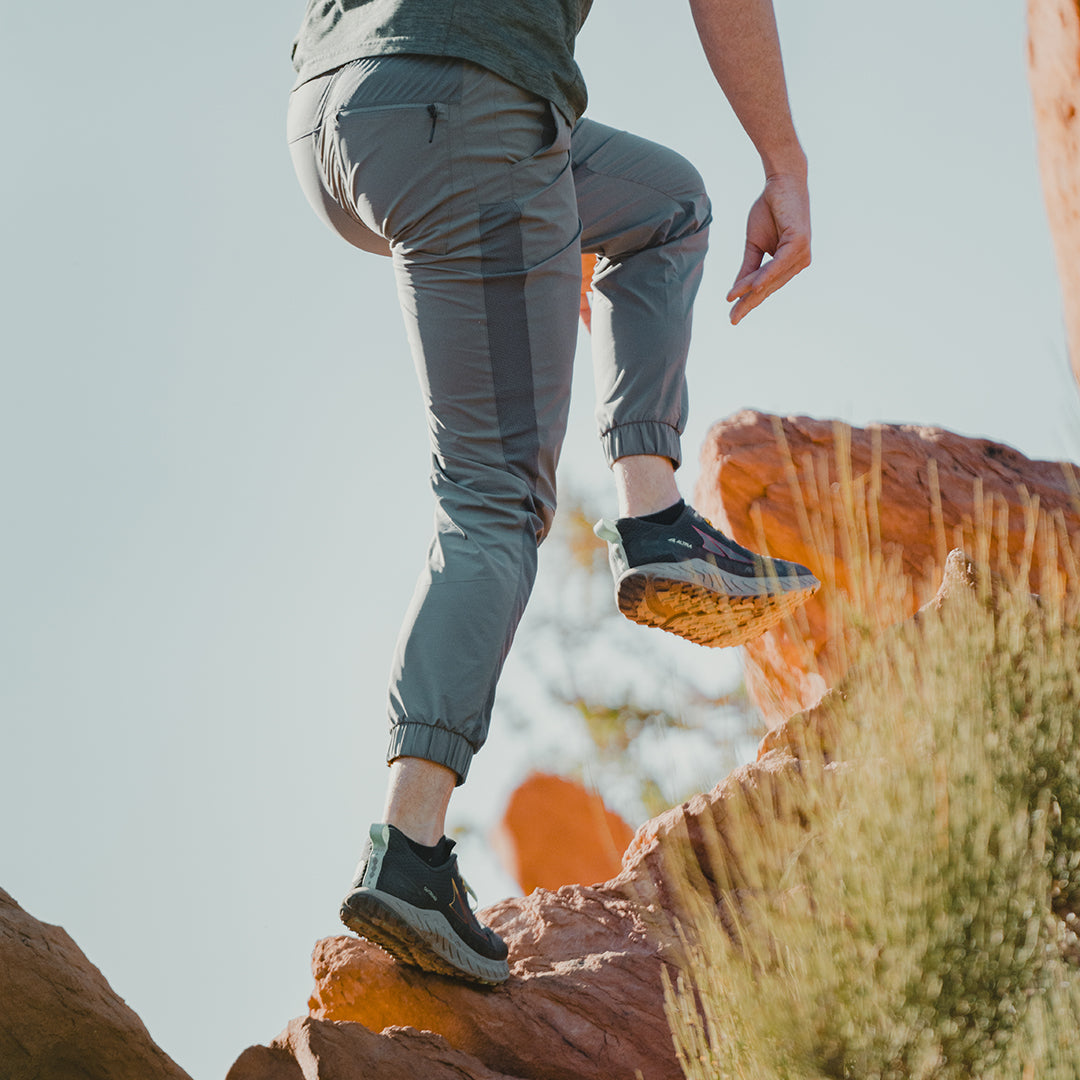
(214, 463)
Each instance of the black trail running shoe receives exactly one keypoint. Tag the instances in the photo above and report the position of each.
(692, 580)
(420, 914)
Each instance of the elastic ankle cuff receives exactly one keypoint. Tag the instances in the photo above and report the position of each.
(437, 744)
(642, 437)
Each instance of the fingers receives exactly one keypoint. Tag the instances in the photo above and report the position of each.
(778, 224)
(756, 283)
(752, 259)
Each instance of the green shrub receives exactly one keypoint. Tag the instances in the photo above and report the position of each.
(918, 931)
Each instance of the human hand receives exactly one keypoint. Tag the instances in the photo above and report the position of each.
(778, 225)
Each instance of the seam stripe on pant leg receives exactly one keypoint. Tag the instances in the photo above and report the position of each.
(509, 349)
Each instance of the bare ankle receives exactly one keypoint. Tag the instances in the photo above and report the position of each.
(417, 799)
(645, 484)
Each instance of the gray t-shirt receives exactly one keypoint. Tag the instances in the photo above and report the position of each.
(528, 42)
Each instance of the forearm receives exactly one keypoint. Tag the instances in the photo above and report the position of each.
(743, 50)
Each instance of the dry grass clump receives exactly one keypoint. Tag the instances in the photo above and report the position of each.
(924, 928)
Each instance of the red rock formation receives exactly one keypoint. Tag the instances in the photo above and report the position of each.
(1054, 69)
(556, 833)
(588, 262)
(584, 1000)
(311, 1049)
(59, 1018)
(786, 486)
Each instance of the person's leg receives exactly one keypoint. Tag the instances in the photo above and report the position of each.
(481, 219)
(644, 484)
(468, 179)
(492, 323)
(417, 798)
(645, 214)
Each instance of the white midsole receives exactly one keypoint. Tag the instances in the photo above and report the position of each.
(441, 936)
(707, 576)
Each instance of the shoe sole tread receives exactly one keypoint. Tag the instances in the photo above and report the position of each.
(416, 936)
(674, 599)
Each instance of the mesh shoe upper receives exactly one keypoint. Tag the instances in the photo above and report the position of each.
(390, 866)
(691, 537)
(691, 580)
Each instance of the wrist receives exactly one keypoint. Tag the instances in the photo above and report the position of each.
(787, 160)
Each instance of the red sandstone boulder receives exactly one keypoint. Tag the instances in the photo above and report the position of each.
(787, 486)
(554, 832)
(59, 1018)
(1054, 69)
(584, 1000)
(320, 1050)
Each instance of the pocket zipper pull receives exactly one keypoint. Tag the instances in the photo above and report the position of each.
(433, 112)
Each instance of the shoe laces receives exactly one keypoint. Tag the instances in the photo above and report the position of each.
(708, 521)
(473, 899)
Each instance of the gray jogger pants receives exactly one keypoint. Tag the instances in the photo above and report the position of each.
(485, 197)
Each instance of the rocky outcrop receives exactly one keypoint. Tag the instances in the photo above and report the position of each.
(60, 1019)
(790, 486)
(1054, 69)
(310, 1049)
(584, 1000)
(554, 832)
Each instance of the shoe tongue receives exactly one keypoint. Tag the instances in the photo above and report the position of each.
(443, 850)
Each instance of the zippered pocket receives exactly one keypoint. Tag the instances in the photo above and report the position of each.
(435, 110)
(394, 167)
